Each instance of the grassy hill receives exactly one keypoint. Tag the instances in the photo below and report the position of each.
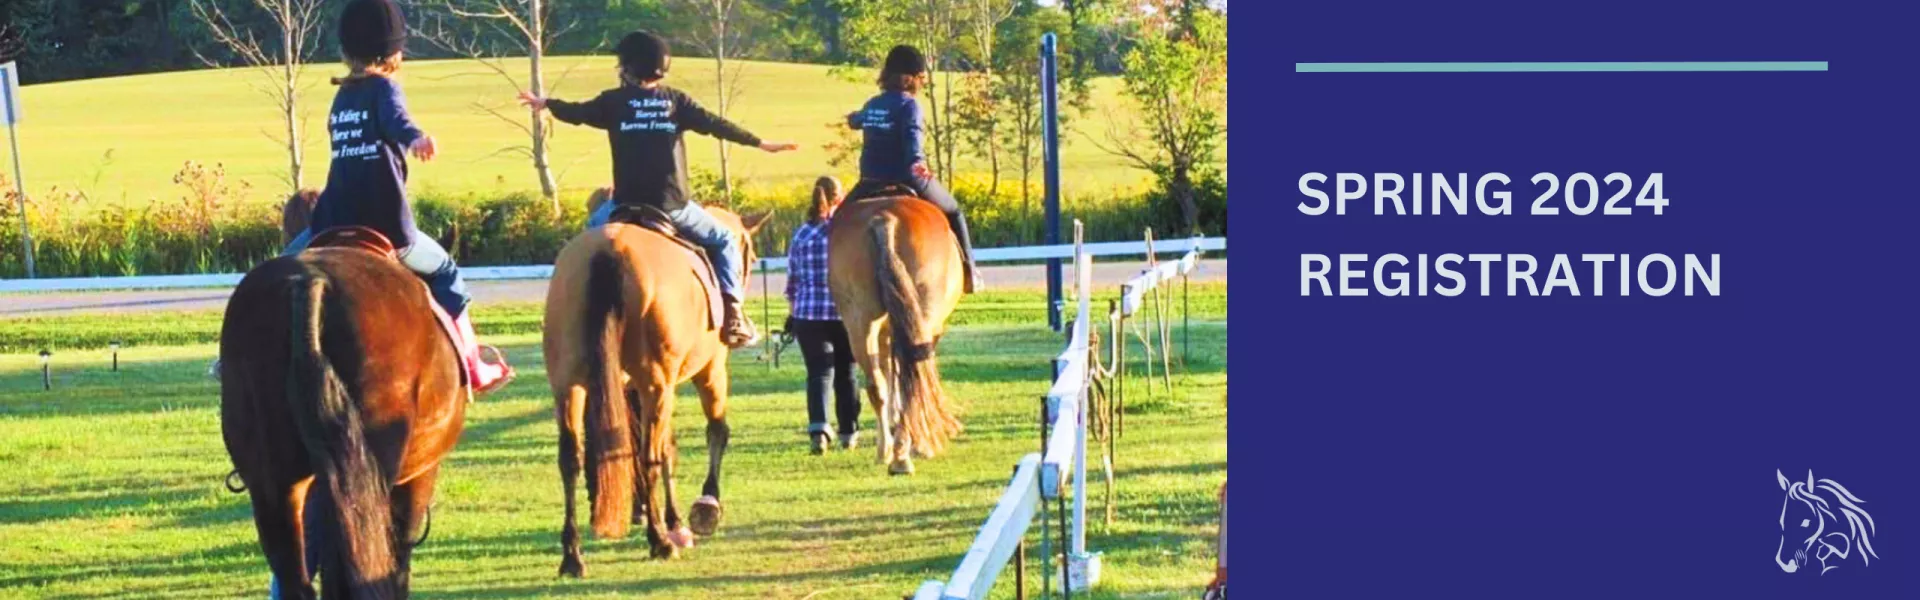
(122, 139)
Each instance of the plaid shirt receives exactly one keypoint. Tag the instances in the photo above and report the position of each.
(808, 297)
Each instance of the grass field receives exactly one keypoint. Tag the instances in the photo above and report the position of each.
(122, 139)
(112, 485)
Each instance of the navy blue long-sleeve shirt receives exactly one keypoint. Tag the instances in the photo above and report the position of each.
(367, 179)
(893, 137)
(645, 126)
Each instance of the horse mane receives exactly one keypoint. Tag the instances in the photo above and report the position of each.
(1860, 525)
(297, 213)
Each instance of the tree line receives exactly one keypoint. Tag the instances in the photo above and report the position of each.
(983, 106)
(81, 39)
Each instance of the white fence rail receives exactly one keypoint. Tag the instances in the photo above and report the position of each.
(222, 280)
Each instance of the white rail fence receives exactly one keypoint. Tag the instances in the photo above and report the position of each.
(1046, 477)
(224, 280)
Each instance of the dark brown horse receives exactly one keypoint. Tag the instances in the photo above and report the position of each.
(896, 274)
(340, 396)
(628, 319)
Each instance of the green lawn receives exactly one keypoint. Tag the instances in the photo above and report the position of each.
(122, 139)
(112, 485)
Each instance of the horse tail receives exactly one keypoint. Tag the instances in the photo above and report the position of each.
(362, 557)
(924, 415)
(610, 443)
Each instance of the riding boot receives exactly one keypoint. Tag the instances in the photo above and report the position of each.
(958, 222)
(737, 331)
(486, 375)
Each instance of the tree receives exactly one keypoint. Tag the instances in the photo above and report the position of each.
(487, 31)
(1017, 94)
(280, 61)
(717, 30)
(977, 114)
(1178, 80)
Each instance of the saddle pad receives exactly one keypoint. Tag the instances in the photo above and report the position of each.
(703, 271)
(452, 333)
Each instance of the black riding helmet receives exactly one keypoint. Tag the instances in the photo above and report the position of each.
(904, 60)
(644, 56)
(372, 29)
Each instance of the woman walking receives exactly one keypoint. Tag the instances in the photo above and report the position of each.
(815, 324)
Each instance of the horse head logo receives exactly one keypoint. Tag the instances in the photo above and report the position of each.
(1826, 523)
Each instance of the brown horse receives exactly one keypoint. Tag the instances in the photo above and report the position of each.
(628, 318)
(340, 396)
(895, 270)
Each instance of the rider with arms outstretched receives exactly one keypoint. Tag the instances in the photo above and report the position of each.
(644, 121)
(893, 150)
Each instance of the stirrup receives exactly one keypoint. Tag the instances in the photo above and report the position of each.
(499, 359)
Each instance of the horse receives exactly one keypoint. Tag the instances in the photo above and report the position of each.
(1818, 503)
(895, 270)
(341, 395)
(629, 317)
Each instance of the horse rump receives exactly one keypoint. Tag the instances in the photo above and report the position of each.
(925, 418)
(361, 554)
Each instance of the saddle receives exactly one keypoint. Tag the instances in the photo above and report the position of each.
(355, 238)
(364, 239)
(651, 218)
(869, 189)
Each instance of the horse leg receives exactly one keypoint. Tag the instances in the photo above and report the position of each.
(640, 500)
(411, 502)
(712, 384)
(677, 532)
(573, 456)
(657, 409)
(878, 364)
(276, 515)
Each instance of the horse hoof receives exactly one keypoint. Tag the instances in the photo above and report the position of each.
(705, 516)
(901, 467)
(665, 551)
(680, 537)
(572, 567)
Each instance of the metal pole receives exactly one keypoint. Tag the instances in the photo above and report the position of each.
(1020, 571)
(1186, 324)
(20, 187)
(1046, 524)
(766, 315)
(1050, 109)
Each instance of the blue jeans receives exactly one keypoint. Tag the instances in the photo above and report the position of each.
(723, 247)
(425, 258)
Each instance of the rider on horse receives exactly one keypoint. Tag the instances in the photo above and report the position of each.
(894, 141)
(644, 121)
(367, 181)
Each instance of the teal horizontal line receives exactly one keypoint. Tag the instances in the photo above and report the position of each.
(1557, 67)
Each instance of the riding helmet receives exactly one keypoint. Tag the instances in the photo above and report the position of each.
(905, 60)
(644, 55)
(372, 29)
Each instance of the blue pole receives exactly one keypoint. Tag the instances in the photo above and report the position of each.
(1050, 110)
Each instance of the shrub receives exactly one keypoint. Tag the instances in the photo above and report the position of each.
(212, 227)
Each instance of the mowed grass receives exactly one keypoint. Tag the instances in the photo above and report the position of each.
(122, 139)
(112, 485)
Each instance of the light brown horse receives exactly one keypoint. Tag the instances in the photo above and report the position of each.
(341, 395)
(895, 270)
(628, 319)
